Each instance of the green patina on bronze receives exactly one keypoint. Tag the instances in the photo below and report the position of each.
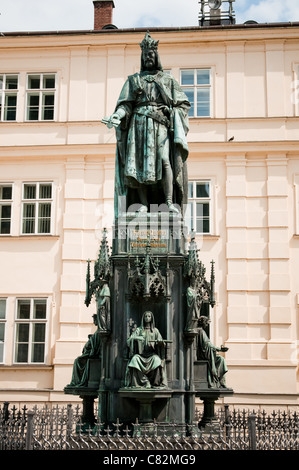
(146, 367)
(151, 287)
(151, 120)
(207, 351)
(91, 350)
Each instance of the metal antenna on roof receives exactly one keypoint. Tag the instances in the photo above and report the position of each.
(2, 34)
(213, 12)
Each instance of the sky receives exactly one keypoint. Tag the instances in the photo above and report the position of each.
(64, 15)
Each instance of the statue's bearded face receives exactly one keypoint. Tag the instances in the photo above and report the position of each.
(149, 59)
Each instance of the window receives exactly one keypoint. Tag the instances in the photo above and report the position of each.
(37, 208)
(198, 214)
(2, 327)
(31, 326)
(40, 97)
(196, 83)
(8, 97)
(5, 208)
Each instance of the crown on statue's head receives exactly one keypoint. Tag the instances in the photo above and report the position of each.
(148, 42)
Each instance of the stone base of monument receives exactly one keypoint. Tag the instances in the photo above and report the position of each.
(166, 232)
(209, 422)
(88, 397)
(144, 399)
(88, 393)
(148, 260)
(148, 271)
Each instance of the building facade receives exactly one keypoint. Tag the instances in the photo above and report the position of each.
(57, 191)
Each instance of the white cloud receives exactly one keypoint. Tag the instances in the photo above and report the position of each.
(55, 15)
(268, 11)
(58, 15)
(41, 15)
(132, 13)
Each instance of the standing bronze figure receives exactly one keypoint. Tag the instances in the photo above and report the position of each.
(151, 118)
(194, 303)
(103, 306)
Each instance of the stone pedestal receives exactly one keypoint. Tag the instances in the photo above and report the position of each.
(88, 397)
(145, 400)
(149, 269)
(165, 237)
(209, 396)
(166, 231)
(89, 393)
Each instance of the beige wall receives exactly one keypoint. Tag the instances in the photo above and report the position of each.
(255, 196)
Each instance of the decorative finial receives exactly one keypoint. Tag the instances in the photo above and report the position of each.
(148, 42)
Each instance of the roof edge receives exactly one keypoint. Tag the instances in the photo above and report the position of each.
(152, 29)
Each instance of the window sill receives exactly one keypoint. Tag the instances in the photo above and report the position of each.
(11, 123)
(30, 237)
(206, 236)
(200, 117)
(26, 366)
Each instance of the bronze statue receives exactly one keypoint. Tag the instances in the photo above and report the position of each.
(91, 350)
(151, 120)
(194, 302)
(146, 367)
(103, 306)
(206, 350)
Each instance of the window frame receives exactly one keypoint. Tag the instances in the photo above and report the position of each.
(6, 202)
(196, 87)
(6, 92)
(37, 201)
(41, 92)
(204, 200)
(296, 204)
(3, 321)
(31, 322)
(295, 88)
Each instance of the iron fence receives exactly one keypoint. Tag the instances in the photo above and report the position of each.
(61, 428)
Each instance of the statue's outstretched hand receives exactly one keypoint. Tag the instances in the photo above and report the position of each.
(112, 121)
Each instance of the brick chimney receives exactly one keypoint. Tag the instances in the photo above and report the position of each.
(103, 13)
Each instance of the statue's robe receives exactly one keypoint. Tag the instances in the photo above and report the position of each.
(193, 308)
(103, 313)
(147, 366)
(217, 365)
(91, 350)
